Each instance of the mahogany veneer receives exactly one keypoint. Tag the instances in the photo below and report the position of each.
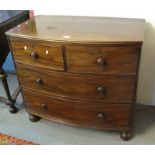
(79, 70)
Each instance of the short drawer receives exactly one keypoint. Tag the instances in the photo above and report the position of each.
(73, 112)
(82, 87)
(102, 59)
(40, 54)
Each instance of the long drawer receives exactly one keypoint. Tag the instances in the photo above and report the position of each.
(39, 54)
(75, 86)
(79, 113)
(102, 59)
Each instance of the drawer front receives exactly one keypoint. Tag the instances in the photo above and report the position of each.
(95, 115)
(45, 55)
(87, 59)
(83, 87)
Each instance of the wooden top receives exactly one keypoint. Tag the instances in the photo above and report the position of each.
(81, 29)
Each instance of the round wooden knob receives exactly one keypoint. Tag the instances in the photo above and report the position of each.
(101, 89)
(39, 81)
(101, 116)
(101, 61)
(34, 55)
(43, 106)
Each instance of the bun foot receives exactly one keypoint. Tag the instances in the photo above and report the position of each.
(34, 118)
(13, 109)
(126, 135)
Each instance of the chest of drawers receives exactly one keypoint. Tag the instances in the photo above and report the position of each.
(79, 70)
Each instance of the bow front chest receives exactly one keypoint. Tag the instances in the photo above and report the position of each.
(79, 70)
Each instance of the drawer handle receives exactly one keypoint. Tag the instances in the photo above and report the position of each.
(101, 116)
(101, 89)
(34, 55)
(39, 81)
(43, 106)
(101, 61)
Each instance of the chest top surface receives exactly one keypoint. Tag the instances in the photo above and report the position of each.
(81, 29)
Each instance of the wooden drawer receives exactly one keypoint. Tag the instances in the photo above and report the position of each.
(83, 87)
(94, 115)
(40, 54)
(102, 59)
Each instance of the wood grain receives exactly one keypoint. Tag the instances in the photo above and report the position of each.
(81, 29)
(48, 55)
(82, 87)
(117, 60)
(89, 76)
(115, 115)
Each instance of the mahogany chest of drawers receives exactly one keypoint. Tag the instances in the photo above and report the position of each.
(79, 70)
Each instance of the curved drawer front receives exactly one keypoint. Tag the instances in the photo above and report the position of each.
(40, 54)
(84, 87)
(97, 116)
(99, 60)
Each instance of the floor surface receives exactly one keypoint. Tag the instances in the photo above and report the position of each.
(48, 132)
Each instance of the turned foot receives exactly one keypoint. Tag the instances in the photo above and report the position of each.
(13, 109)
(33, 118)
(126, 135)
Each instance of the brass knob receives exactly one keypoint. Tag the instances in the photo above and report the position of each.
(101, 89)
(39, 81)
(101, 116)
(34, 55)
(43, 106)
(101, 61)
